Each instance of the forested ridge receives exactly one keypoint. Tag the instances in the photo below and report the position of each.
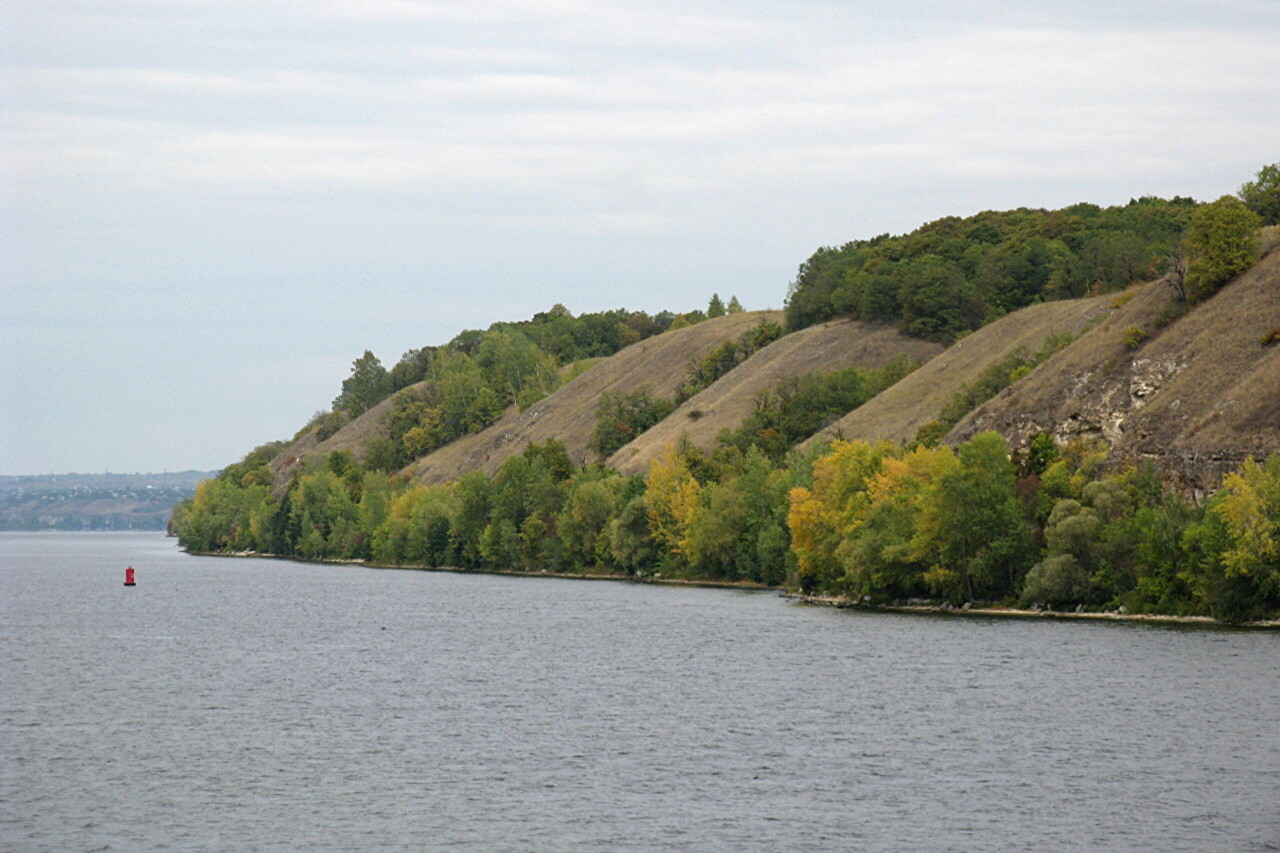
(1042, 524)
(956, 274)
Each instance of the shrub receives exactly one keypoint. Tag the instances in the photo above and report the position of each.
(621, 417)
(330, 423)
(1134, 337)
(1055, 580)
(1170, 313)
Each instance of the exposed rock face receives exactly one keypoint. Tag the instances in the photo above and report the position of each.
(1200, 395)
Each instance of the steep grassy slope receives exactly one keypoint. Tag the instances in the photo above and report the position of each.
(898, 412)
(353, 438)
(1197, 396)
(728, 401)
(569, 415)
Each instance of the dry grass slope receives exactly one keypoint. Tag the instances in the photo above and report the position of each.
(728, 402)
(569, 415)
(353, 438)
(1196, 397)
(898, 412)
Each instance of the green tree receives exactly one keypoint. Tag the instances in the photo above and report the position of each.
(417, 527)
(937, 302)
(513, 365)
(1221, 243)
(373, 509)
(412, 367)
(1237, 545)
(623, 415)
(584, 522)
(734, 307)
(368, 385)
(473, 495)
(500, 545)
(633, 547)
(1262, 195)
(1056, 580)
(971, 530)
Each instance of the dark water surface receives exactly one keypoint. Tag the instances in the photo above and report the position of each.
(263, 705)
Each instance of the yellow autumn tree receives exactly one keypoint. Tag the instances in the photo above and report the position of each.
(1236, 546)
(671, 497)
(1250, 509)
(876, 553)
(819, 516)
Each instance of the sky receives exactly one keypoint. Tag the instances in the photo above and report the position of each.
(210, 208)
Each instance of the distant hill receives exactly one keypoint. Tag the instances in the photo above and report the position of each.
(1087, 430)
(1194, 389)
(94, 501)
(568, 415)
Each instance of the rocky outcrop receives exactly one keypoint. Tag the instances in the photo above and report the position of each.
(1194, 394)
(897, 413)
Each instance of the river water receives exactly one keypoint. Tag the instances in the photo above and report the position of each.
(251, 704)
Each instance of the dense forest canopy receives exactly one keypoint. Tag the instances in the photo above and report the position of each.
(955, 274)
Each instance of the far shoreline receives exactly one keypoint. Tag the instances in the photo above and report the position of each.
(837, 602)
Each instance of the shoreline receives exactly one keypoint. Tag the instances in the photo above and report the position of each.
(837, 602)
(750, 586)
(842, 603)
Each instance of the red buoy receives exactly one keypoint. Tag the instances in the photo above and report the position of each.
(128, 577)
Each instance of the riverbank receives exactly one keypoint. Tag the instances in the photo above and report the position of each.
(839, 602)
(585, 576)
(843, 603)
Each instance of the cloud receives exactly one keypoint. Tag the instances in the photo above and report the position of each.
(973, 102)
(244, 163)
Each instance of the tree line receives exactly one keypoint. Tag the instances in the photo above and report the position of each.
(954, 275)
(873, 523)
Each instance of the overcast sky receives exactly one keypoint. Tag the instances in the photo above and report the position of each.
(211, 207)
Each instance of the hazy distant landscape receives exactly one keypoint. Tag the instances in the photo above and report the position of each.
(93, 501)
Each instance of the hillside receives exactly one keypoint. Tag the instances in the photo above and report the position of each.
(898, 412)
(569, 414)
(727, 402)
(1196, 396)
(352, 438)
(961, 516)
